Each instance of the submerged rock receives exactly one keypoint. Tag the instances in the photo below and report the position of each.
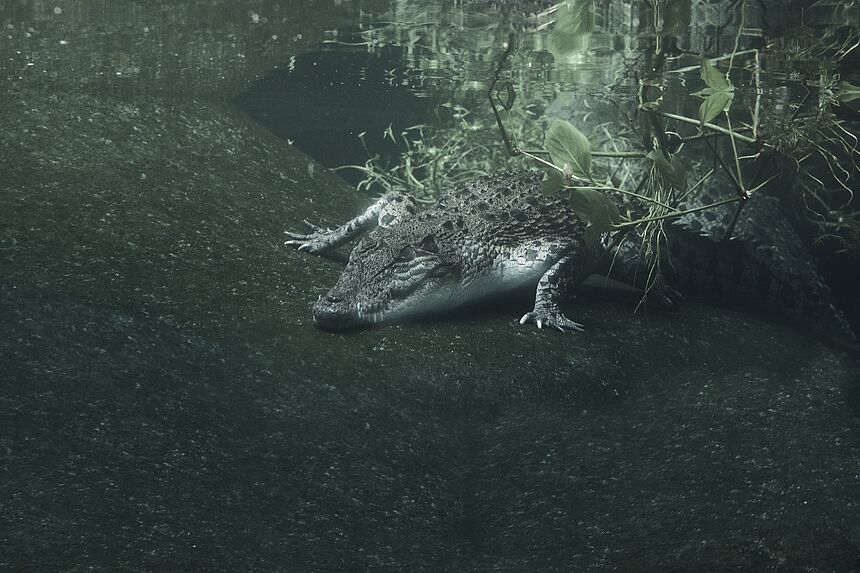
(167, 401)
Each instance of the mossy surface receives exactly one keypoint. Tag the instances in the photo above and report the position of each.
(168, 404)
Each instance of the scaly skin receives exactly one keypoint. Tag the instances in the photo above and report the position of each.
(500, 232)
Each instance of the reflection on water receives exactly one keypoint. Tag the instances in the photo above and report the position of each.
(399, 96)
(629, 52)
(180, 48)
(403, 84)
(566, 57)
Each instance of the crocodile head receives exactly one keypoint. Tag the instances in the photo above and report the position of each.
(390, 275)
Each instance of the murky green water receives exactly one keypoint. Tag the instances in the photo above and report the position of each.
(168, 404)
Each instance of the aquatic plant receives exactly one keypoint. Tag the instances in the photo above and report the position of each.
(750, 139)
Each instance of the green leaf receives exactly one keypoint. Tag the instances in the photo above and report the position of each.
(587, 202)
(673, 171)
(597, 210)
(572, 30)
(714, 105)
(566, 144)
(600, 222)
(846, 92)
(719, 93)
(714, 78)
(552, 182)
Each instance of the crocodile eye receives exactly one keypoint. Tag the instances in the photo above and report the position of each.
(407, 253)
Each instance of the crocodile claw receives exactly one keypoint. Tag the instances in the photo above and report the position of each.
(315, 242)
(554, 319)
(316, 228)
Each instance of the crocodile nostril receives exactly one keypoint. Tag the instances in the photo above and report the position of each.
(333, 298)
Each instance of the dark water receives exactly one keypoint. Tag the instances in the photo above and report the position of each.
(167, 404)
(431, 68)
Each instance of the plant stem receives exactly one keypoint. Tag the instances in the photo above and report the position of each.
(701, 136)
(490, 93)
(593, 153)
(711, 60)
(758, 92)
(518, 151)
(535, 151)
(741, 185)
(712, 126)
(725, 167)
(677, 214)
(622, 191)
(696, 186)
(618, 154)
(738, 36)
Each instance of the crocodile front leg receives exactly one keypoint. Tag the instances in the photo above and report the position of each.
(551, 289)
(388, 210)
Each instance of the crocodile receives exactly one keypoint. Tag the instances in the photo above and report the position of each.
(499, 232)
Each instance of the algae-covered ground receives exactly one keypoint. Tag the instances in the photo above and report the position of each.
(167, 403)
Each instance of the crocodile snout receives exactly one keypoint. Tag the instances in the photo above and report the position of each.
(330, 312)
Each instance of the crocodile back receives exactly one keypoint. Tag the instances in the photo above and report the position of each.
(509, 209)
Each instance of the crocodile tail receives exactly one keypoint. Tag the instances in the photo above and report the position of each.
(765, 268)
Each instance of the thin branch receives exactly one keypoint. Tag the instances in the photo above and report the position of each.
(491, 92)
(696, 186)
(624, 192)
(738, 36)
(711, 60)
(758, 93)
(540, 160)
(712, 126)
(740, 179)
(677, 214)
(725, 167)
(620, 154)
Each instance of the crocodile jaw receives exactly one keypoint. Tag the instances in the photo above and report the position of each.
(338, 315)
(509, 271)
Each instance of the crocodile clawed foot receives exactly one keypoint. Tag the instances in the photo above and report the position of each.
(316, 242)
(553, 318)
